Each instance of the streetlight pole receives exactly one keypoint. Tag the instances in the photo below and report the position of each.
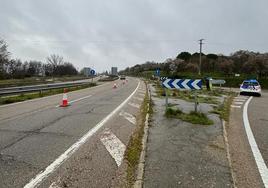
(200, 56)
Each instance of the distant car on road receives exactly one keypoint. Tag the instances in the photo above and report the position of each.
(122, 77)
(250, 87)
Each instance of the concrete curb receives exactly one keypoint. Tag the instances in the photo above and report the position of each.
(228, 152)
(140, 171)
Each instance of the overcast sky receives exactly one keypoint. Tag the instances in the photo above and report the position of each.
(105, 33)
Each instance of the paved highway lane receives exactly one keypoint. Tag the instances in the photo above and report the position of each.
(33, 134)
(258, 118)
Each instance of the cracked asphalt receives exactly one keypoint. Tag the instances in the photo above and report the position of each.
(180, 154)
(33, 134)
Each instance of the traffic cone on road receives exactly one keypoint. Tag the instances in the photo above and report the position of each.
(115, 86)
(64, 99)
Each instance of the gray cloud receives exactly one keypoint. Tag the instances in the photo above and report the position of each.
(123, 33)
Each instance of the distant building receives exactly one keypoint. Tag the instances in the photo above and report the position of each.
(87, 71)
(114, 71)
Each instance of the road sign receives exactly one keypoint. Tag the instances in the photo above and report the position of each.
(92, 72)
(157, 72)
(183, 84)
(163, 78)
(218, 82)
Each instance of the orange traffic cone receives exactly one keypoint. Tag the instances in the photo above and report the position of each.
(115, 86)
(64, 99)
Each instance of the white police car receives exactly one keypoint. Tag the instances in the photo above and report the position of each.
(250, 87)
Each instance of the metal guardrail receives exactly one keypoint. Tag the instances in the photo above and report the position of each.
(40, 88)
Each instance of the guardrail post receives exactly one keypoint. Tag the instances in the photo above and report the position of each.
(195, 101)
(166, 95)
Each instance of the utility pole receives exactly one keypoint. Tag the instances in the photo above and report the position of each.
(200, 56)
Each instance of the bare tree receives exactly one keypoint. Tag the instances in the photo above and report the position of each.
(4, 55)
(54, 61)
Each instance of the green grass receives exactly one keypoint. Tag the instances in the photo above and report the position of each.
(37, 80)
(189, 95)
(224, 109)
(192, 117)
(28, 96)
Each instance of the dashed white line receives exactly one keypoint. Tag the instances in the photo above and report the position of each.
(129, 117)
(140, 99)
(114, 146)
(241, 97)
(234, 106)
(254, 147)
(63, 157)
(238, 103)
(134, 105)
(240, 100)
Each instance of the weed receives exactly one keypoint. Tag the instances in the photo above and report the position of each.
(192, 117)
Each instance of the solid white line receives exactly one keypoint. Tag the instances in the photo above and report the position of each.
(129, 117)
(233, 106)
(63, 157)
(76, 100)
(114, 146)
(254, 147)
(134, 105)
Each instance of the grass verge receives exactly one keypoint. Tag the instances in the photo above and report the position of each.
(224, 109)
(38, 80)
(189, 95)
(192, 117)
(28, 96)
(134, 148)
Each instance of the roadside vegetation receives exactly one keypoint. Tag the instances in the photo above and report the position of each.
(192, 117)
(223, 110)
(38, 80)
(210, 96)
(28, 96)
(109, 78)
(233, 68)
(134, 148)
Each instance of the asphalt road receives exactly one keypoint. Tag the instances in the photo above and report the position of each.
(258, 118)
(34, 133)
(246, 171)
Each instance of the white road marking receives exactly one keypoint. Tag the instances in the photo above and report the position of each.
(140, 99)
(134, 105)
(234, 106)
(254, 147)
(240, 100)
(76, 100)
(241, 97)
(114, 146)
(129, 117)
(54, 185)
(238, 103)
(63, 157)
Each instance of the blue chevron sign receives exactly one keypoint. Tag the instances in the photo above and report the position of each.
(182, 84)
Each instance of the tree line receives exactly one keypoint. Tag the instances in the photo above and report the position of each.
(55, 65)
(240, 62)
